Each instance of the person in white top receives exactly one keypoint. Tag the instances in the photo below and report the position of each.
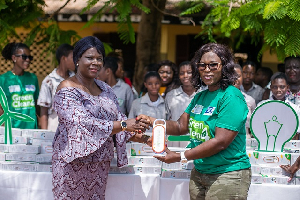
(152, 103)
(279, 88)
(178, 99)
(122, 90)
(65, 69)
(249, 100)
(248, 86)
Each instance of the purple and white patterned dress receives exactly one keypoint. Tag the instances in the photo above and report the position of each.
(83, 147)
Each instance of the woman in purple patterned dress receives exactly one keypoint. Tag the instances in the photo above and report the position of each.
(88, 117)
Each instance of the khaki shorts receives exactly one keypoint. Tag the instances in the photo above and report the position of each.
(227, 186)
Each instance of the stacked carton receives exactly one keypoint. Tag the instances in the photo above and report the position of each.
(265, 166)
(141, 161)
(31, 150)
(293, 147)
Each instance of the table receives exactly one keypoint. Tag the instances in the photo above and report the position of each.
(16, 185)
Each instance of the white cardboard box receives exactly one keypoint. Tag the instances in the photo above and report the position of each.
(16, 139)
(15, 131)
(4, 148)
(147, 170)
(24, 157)
(176, 173)
(122, 170)
(283, 180)
(274, 171)
(139, 149)
(43, 158)
(134, 170)
(38, 134)
(256, 179)
(255, 169)
(17, 166)
(292, 144)
(44, 168)
(16, 148)
(143, 161)
(269, 158)
(2, 156)
(297, 180)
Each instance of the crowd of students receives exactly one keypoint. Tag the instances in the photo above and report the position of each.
(166, 93)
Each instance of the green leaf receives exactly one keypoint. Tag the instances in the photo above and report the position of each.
(195, 9)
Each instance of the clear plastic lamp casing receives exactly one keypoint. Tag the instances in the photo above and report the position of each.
(159, 136)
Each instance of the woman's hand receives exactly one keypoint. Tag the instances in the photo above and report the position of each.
(141, 138)
(171, 157)
(137, 125)
(146, 119)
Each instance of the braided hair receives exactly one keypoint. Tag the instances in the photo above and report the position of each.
(11, 48)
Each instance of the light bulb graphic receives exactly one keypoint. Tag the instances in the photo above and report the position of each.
(273, 124)
(272, 128)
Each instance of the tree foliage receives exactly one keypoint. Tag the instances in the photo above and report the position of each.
(29, 14)
(124, 9)
(276, 21)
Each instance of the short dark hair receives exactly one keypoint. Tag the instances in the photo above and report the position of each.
(11, 48)
(111, 63)
(280, 76)
(237, 66)
(249, 62)
(151, 74)
(290, 58)
(63, 50)
(229, 76)
(184, 63)
(266, 71)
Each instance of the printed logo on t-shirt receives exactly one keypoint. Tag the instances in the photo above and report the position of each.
(14, 88)
(209, 111)
(197, 109)
(22, 101)
(199, 132)
(30, 88)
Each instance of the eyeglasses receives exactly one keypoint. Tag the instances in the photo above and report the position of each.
(24, 57)
(212, 66)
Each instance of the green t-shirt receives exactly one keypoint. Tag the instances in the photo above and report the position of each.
(21, 93)
(224, 109)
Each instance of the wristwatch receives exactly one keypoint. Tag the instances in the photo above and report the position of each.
(123, 125)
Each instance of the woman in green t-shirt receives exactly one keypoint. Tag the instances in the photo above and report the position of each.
(215, 120)
(20, 87)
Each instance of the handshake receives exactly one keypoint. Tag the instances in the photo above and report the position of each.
(144, 122)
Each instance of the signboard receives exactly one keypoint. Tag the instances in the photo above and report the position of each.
(273, 124)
